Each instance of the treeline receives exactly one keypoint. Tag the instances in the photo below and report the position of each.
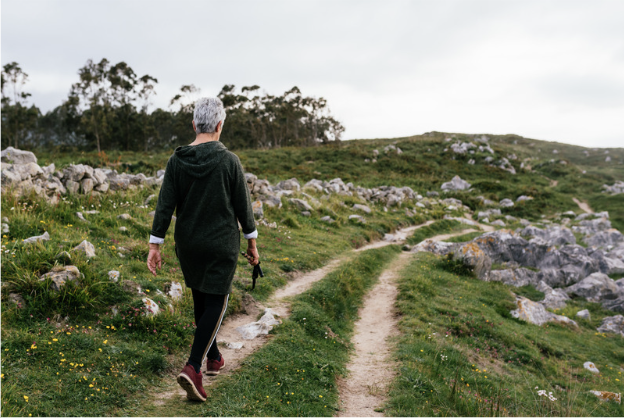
(108, 108)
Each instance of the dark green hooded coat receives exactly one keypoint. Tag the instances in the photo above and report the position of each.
(206, 186)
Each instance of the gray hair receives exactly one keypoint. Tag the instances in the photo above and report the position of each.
(208, 113)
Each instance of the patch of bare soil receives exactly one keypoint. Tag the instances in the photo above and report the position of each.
(584, 206)
(371, 368)
(400, 236)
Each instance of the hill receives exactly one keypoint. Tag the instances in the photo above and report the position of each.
(81, 318)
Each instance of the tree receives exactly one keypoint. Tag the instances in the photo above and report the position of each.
(18, 120)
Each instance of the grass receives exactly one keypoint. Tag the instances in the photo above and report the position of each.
(438, 227)
(295, 374)
(461, 353)
(465, 237)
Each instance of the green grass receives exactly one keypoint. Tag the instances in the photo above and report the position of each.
(438, 227)
(465, 237)
(461, 353)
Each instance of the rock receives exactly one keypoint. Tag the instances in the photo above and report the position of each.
(489, 213)
(86, 247)
(60, 276)
(607, 396)
(515, 277)
(506, 203)
(258, 211)
(86, 185)
(553, 298)
(597, 287)
(5, 228)
(584, 314)
(435, 247)
(616, 305)
(292, 184)
(306, 213)
(114, 275)
(103, 188)
(130, 286)
(17, 299)
(433, 194)
(72, 187)
(124, 217)
(357, 218)
(271, 201)
(554, 235)
(523, 198)
(612, 324)
(175, 291)
(16, 156)
(151, 307)
(81, 217)
(63, 257)
(498, 223)
(588, 365)
(327, 219)
(617, 188)
(471, 255)
(535, 313)
(234, 346)
(362, 208)
(149, 199)
(456, 184)
(301, 204)
(123, 229)
(261, 327)
(37, 238)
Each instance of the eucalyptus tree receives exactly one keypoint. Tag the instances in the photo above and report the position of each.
(18, 120)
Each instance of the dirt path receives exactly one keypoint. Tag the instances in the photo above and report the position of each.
(371, 368)
(584, 206)
(280, 305)
(399, 236)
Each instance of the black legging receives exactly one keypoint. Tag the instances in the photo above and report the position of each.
(209, 310)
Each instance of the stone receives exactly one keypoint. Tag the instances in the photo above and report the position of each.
(37, 238)
(306, 213)
(130, 286)
(433, 194)
(597, 287)
(506, 203)
(15, 156)
(114, 276)
(149, 199)
(151, 307)
(362, 208)
(72, 187)
(327, 219)
(258, 211)
(301, 204)
(81, 217)
(175, 291)
(612, 324)
(616, 305)
(85, 247)
(234, 346)
(60, 276)
(515, 277)
(584, 314)
(498, 223)
(5, 228)
(523, 198)
(292, 184)
(103, 188)
(472, 256)
(553, 298)
(124, 217)
(260, 327)
(605, 396)
(271, 201)
(17, 299)
(536, 313)
(456, 184)
(123, 229)
(357, 218)
(86, 185)
(588, 365)
(434, 247)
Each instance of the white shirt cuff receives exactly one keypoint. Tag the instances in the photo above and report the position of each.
(251, 235)
(156, 240)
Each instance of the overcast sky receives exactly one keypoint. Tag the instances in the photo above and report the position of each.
(551, 70)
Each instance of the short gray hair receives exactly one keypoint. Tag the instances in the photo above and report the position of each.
(208, 113)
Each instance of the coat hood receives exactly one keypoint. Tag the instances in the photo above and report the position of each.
(199, 160)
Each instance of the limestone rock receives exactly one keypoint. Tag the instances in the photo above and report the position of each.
(64, 257)
(292, 184)
(151, 307)
(86, 247)
(123, 229)
(597, 287)
(515, 277)
(149, 199)
(114, 276)
(301, 204)
(81, 217)
(37, 238)
(17, 299)
(86, 185)
(327, 219)
(16, 156)
(130, 286)
(584, 314)
(5, 228)
(506, 203)
(474, 257)
(613, 324)
(535, 313)
(553, 298)
(261, 327)
(616, 305)
(456, 184)
(257, 209)
(357, 218)
(588, 365)
(124, 217)
(60, 276)
(362, 208)
(607, 396)
(435, 247)
(175, 291)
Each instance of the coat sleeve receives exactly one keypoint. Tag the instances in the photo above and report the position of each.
(167, 201)
(241, 200)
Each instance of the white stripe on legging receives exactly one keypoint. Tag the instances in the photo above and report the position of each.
(214, 334)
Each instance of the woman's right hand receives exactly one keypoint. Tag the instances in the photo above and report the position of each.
(153, 258)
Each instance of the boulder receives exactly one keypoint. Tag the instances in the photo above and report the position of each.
(362, 208)
(86, 247)
(114, 275)
(16, 156)
(81, 217)
(86, 185)
(584, 314)
(535, 313)
(257, 209)
(553, 298)
(506, 203)
(616, 305)
(301, 204)
(456, 184)
(596, 287)
(59, 276)
(472, 256)
(37, 238)
(515, 277)
(613, 324)
(175, 291)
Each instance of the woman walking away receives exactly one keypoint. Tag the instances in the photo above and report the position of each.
(205, 184)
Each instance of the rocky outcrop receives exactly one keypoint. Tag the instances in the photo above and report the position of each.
(596, 287)
(617, 188)
(535, 313)
(456, 184)
(613, 324)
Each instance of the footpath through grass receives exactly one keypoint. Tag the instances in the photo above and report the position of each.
(462, 354)
(438, 227)
(295, 373)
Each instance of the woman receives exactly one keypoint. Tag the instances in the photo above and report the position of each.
(205, 184)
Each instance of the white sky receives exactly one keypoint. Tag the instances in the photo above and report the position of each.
(551, 70)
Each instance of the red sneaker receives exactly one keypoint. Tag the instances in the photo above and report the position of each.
(191, 382)
(213, 366)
